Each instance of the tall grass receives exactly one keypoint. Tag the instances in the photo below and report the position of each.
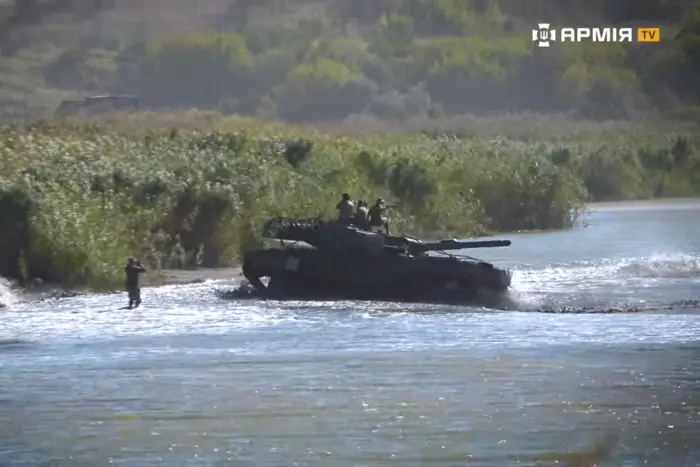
(77, 197)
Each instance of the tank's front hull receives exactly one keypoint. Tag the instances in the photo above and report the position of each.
(311, 274)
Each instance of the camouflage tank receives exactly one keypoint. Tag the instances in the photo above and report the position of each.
(97, 105)
(334, 260)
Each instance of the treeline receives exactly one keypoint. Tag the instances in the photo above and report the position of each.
(394, 59)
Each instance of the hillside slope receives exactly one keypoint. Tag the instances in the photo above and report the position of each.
(339, 60)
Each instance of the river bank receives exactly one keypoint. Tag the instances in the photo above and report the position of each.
(174, 195)
(10, 292)
(182, 277)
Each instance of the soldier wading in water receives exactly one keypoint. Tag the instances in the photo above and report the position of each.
(132, 270)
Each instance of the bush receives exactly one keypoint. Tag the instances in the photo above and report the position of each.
(470, 73)
(323, 89)
(91, 70)
(194, 70)
(16, 209)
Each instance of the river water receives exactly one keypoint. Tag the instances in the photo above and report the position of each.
(603, 355)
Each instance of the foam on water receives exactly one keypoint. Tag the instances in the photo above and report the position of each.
(610, 271)
(610, 284)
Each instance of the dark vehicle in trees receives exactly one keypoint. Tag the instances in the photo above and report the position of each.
(96, 105)
(333, 260)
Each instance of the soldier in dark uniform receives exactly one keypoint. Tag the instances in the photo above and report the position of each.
(346, 209)
(362, 215)
(132, 270)
(376, 216)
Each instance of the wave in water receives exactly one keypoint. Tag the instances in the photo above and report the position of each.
(660, 281)
(656, 266)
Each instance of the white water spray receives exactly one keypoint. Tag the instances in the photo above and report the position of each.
(7, 298)
(628, 283)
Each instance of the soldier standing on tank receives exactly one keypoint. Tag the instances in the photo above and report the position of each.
(346, 209)
(376, 216)
(362, 215)
(132, 270)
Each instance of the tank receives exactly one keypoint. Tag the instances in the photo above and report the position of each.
(331, 260)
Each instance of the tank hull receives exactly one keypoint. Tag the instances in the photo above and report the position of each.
(308, 273)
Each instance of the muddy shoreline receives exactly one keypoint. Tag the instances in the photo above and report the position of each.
(189, 276)
(154, 278)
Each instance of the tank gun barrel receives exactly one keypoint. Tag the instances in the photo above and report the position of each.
(452, 244)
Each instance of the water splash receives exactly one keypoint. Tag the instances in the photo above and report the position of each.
(658, 266)
(609, 285)
(7, 298)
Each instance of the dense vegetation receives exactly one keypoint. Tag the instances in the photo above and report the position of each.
(77, 198)
(361, 59)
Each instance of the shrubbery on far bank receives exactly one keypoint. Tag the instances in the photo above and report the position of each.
(77, 198)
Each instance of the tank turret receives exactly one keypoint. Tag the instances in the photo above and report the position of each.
(324, 235)
(333, 234)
